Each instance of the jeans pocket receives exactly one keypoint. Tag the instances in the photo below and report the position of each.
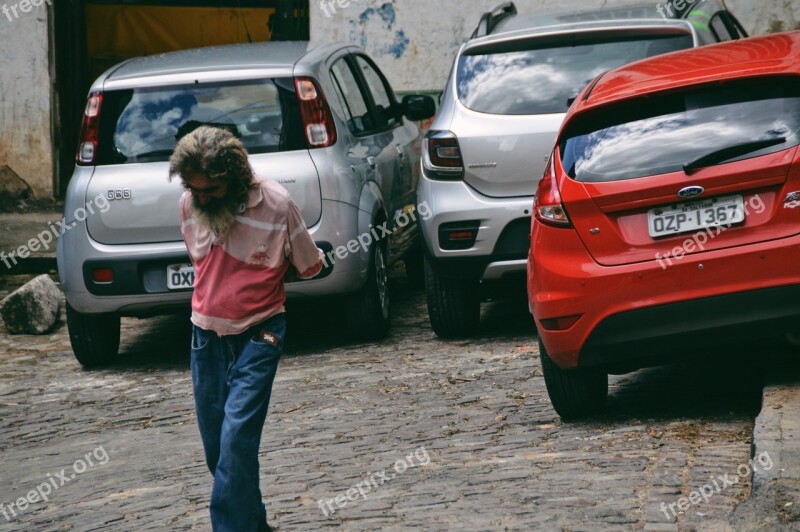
(200, 338)
(270, 334)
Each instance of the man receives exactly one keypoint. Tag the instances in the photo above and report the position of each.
(242, 236)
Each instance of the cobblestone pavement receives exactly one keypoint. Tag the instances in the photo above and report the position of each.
(448, 434)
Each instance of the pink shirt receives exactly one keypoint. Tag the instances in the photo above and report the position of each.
(239, 278)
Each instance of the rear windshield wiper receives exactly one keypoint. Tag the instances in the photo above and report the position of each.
(730, 152)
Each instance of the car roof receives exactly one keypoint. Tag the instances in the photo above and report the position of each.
(572, 29)
(566, 18)
(228, 57)
(753, 57)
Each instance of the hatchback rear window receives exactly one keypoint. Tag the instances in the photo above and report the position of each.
(544, 80)
(658, 135)
(143, 125)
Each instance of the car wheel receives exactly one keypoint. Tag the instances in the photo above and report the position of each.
(575, 393)
(94, 337)
(367, 312)
(454, 305)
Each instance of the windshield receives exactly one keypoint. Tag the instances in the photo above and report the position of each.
(143, 125)
(661, 134)
(542, 81)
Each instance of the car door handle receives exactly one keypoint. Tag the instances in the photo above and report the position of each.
(400, 152)
(371, 162)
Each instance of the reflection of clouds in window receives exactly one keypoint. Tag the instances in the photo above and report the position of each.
(515, 83)
(542, 81)
(151, 120)
(656, 143)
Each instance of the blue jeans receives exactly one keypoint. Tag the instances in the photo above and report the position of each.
(232, 378)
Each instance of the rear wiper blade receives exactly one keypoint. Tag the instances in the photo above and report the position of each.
(730, 152)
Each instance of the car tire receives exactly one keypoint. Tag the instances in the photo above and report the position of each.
(367, 312)
(454, 305)
(94, 337)
(575, 393)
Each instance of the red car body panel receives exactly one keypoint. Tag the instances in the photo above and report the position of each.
(753, 57)
(604, 267)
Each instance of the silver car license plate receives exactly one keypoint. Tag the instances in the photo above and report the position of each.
(180, 276)
(695, 216)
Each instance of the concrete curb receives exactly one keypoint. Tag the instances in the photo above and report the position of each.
(774, 503)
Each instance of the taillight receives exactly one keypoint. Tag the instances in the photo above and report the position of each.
(441, 156)
(547, 203)
(317, 118)
(90, 129)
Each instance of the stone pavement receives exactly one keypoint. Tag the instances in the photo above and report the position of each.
(467, 422)
(448, 434)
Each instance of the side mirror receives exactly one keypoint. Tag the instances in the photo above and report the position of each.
(418, 107)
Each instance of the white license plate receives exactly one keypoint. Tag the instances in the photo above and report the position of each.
(695, 216)
(180, 276)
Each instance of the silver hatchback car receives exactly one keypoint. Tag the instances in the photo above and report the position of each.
(323, 122)
(487, 148)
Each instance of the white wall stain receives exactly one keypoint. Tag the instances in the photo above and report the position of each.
(434, 29)
(25, 101)
(413, 41)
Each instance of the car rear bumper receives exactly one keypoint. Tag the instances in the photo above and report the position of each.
(502, 242)
(140, 271)
(642, 315)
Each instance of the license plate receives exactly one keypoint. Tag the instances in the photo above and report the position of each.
(695, 216)
(180, 276)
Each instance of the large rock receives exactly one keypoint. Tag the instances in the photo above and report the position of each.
(33, 309)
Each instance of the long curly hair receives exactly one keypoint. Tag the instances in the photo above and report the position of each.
(216, 153)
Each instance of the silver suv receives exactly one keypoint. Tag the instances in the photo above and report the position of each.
(507, 94)
(323, 122)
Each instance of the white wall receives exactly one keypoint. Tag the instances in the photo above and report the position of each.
(25, 97)
(415, 41)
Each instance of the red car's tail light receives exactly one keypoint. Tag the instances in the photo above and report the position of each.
(90, 129)
(547, 203)
(441, 156)
(317, 118)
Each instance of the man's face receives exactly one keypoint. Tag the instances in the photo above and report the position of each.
(208, 195)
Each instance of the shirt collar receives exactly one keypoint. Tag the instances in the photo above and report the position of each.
(254, 197)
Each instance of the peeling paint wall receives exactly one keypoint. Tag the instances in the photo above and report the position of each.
(25, 99)
(415, 41)
(768, 16)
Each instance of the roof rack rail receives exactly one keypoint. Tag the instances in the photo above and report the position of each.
(490, 19)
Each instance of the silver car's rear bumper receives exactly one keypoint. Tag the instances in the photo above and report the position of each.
(140, 269)
(502, 242)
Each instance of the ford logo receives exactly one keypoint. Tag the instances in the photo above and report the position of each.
(691, 192)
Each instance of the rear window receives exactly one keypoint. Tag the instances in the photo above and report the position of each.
(143, 125)
(658, 135)
(542, 81)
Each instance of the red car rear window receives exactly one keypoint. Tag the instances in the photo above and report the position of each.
(660, 134)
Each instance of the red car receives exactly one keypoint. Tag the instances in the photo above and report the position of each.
(668, 218)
